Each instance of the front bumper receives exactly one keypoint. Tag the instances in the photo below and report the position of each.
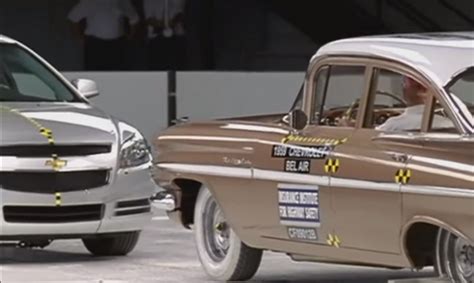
(125, 206)
(164, 201)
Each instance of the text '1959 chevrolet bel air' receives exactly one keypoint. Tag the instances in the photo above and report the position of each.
(373, 165)
(67, 169)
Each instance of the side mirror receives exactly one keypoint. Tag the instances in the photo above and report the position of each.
(87, 88)
(297, 119)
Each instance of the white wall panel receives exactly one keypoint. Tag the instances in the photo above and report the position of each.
(139, 98)
(206, 95)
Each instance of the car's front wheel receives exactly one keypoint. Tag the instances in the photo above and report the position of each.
(455, 258)
(222, 254)
(113, 244)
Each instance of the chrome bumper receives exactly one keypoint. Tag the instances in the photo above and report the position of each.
(163, 201)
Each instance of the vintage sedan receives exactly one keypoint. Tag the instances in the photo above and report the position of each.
(67, 169)
(373, 165)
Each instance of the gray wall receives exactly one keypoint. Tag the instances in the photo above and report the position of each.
(204, 95)
(139, 98)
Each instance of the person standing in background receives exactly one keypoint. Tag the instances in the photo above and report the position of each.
(105, 27)
(165, 34)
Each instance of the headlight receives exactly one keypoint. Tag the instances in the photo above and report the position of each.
(135, 152)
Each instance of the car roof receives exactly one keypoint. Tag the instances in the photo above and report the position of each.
(440, 56)
(5, 39)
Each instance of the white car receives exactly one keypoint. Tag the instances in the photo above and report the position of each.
(67, 169)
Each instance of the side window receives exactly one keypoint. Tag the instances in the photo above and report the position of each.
(397, 102)
(337, 94)
(321, 84)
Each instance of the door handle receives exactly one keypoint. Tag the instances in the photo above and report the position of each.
(399, 157)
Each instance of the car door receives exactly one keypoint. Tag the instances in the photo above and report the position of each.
(366, 188)
(337, 88)
(291, 172)
(441, 183)
(304, 156)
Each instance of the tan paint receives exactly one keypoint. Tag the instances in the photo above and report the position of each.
(371, 222)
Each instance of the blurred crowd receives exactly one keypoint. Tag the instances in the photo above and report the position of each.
(110, 29)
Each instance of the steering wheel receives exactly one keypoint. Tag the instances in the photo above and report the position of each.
(346, 118)
(400, 100)
(401, 103)
(4, 86)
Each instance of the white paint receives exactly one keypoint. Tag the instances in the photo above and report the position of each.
(437, 59)
(279, 176)
(225, 171)
(297, 178)
(298, 187)
(214, 138)
(160, 218)
(366, 185)
(438, 191)
(244, 127)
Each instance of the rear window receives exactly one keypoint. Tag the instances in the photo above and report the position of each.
(461, 89)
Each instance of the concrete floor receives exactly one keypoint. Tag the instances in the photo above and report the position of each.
(165, 253)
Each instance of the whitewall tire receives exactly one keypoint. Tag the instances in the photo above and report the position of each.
(222, 254)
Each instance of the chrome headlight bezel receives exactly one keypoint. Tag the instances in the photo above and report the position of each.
(134, 152)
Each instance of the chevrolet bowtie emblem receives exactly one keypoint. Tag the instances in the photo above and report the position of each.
(56, 163)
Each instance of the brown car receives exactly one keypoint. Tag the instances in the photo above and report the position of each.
(373, 165)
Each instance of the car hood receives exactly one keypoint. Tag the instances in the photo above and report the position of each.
(70, 123)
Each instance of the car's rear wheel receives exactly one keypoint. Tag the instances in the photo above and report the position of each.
(222, 254)
(455, 258)
(112, 245)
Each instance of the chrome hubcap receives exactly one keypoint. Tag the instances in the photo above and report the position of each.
(464, 258)
(216, 232)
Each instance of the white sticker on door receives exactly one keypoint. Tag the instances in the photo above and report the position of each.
(299, 205)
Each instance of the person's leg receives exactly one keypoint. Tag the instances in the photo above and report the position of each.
(152, 52)
(158, 53)
(101, 55)
(90, 53)
(169, 53)
(123, 54)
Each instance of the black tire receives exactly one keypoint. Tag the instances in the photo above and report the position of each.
(238, 262)
(112, 245)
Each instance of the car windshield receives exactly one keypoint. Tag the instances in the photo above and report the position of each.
(298, 103)
(24, 78)
(462, 94)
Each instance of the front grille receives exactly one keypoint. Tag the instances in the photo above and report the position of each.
(133, 211)
(51, 214)
(130, 207)
(132, 203)
(48, 150)
(51, 182)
